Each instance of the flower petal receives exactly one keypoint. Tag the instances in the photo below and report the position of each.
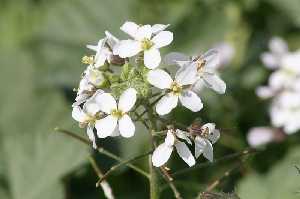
(212, 58)
(214, 136)
(156, 28)
(264, 92)
(161, 155)
(162, 39)
(185, 153)
(258, 136)
(270, 60)
(187, 74)
(143, 32)
(166, 104)
(200, 145)
(190, 100)
(90, 134)
(106, 102)
(127, 100)
(127, 48)
(78, 114)
(208, 151)
(152, 58)
(278, 46)
(106, 126)
(170, 139)
(126, 126)
(159, 78)
(183, 135)
(173, 57)
(130, 28)
(111, 39)
(214, 82)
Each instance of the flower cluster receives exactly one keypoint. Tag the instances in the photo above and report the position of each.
(123, 76)
(284, 91)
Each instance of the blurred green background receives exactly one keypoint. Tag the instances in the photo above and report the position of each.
(41, 45)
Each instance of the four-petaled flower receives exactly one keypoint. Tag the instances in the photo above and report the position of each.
(177, 89)
(146, 39)
(163, 152)
(117, 114)
(205, 139)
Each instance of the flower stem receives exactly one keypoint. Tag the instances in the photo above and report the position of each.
(154, 188)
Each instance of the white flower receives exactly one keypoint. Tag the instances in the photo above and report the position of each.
(226, 53)
(203, 142)
(204, 67)
(258, 136)
(176, 90)
(117, 114)
(103, 50)
(145, 38)
(87, 116)
(163, 152)
(278, 48)
(285, 111)
(92, 78)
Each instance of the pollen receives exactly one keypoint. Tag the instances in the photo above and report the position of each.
(176, 88)
(117, 113)
(87, 59)
(146, 44)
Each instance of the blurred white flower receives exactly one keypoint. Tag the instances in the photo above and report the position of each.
(285, 111)
(226, 53)
(163, 152)
(204, 66)
(278, 48)
(258, 136)
(87, 116)
(145, 38)
(176, 90)
(117, 114)
(205, 140)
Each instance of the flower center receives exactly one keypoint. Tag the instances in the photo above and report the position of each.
(200, 64)
(117, 113)
(146, 44)
(87, 59)
(176, 88)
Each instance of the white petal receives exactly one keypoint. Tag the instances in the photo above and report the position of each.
(100, 59)
(270, 60)
(214, 82)
(126, 126)
(258, 136)
(209, 126)
(170, 139)
(212, 58)
(127, 100)
(78, 114)
(111, 40)
(152, 58)
(200, 145)
(166, 104)
(278, 46)
(173, 57)
(91, 107)
(130, 28)
(208, 151)
(156, 28)
(185, 153)
(161, 155)
(159, 78)
(127, 48)
(264, 92)
(214, 136)
(187, 74)
(183, 135)
(106, 102)
(190, 100)
(97, 47)
(106, 126)
(143, 32)
(162, 39)
(90, 134)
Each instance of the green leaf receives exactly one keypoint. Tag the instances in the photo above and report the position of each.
(283, 181)
(34, 157)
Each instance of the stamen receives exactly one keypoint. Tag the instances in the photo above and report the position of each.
(87, 59)
(146, 44)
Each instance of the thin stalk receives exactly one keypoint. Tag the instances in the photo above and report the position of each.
(101, 150)
(169, 180)
(105, 185)
(124, 162)
(225, 158)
